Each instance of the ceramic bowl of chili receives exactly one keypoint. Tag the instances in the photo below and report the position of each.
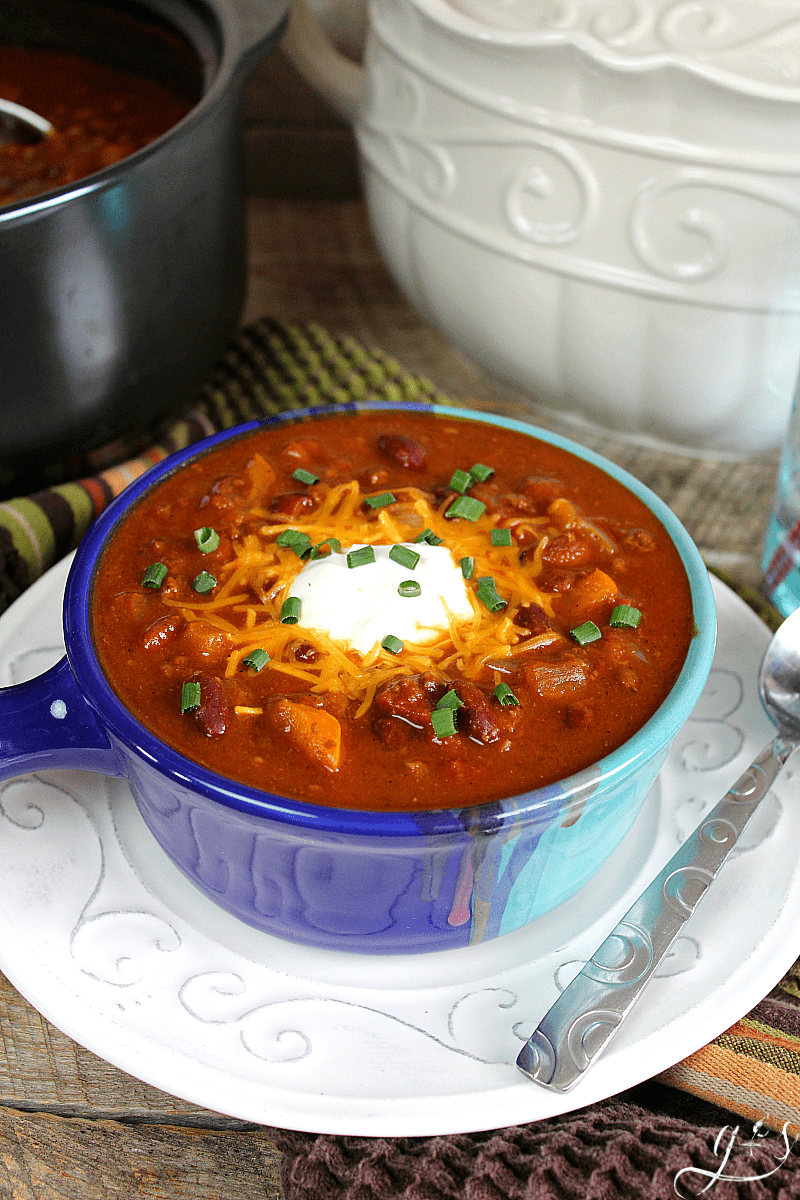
(123, 264)
(317, 852)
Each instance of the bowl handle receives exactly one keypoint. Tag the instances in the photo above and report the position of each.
(46, 723)
(338, 79)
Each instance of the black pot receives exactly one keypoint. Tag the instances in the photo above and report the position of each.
(120, 291)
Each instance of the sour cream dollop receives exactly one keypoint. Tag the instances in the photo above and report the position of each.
(359, 606)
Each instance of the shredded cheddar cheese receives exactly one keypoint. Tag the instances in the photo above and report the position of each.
(246, 604)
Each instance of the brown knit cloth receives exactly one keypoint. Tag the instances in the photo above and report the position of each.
(612, 1150)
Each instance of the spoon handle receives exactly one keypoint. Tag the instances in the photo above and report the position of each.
(590, 1010)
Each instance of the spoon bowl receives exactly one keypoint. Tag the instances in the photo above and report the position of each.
(591, 1009)
(779, 680)
(20, 124)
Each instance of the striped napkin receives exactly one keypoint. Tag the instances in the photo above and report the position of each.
(753, 1069)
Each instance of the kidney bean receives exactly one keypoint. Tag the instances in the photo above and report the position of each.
(292, 503)
(162, 632)
(480, 719)
(405, 451)
(531, 616)
(212, 715)
(303, 652)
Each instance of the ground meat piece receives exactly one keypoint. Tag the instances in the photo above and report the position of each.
(391, 733)
(558, 678)
(566, 550)
(542, 490)
(407, 698)
(226, 494)
(375, 477)
(532, 617)
(134, 605)
(561, 579)
(303, 451)
(577, 716)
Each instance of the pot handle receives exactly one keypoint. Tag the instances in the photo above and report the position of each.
(258, 24)
(46, 723)
(338, 79)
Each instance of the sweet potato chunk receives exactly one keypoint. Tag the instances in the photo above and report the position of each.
(587, 595)
(313, 731)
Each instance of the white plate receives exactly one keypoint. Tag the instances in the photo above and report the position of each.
(108, 940)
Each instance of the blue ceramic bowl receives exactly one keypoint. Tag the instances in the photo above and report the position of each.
(397, 882)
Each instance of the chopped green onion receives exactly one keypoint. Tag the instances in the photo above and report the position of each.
(451, 699)
(409, 587)
(586, 633)
(379, 501)
(257, 659)
(391, 643)
(481, 473)
(335, 547)
(204, 582)
(505, 695)
(290, 610)
(207, 539)
(155, 575)
(467, 566)
(461, 480)
(444, 722)
(361, 557)
(190, 696)
(467, 507)
(501, 537)
(294, 539)
(428, 536)
(405, 557)
(303, 476)
(625, 616)
(488, 595)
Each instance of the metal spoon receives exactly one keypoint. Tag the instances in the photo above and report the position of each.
(591, 1009)
(19, 124)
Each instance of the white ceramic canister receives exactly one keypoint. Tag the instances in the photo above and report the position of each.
(598, 200)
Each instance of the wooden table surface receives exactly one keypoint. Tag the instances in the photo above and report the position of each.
(71, 1125)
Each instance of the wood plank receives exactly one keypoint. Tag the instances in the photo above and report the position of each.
(45, 1157)
(44, 1070)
